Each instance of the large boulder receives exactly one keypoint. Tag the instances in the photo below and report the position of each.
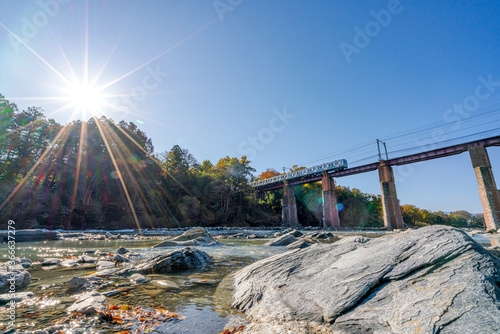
(178, 260)
(434, 279)
(13, 276)
(198, 233)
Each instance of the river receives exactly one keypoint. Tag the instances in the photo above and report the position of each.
(197, 296)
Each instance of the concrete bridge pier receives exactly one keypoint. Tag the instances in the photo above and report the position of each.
(261, 195)
(490, 197)
(330, 210)
(390, 203)
(289, 206)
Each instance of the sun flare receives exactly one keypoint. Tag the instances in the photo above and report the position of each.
(86, 98)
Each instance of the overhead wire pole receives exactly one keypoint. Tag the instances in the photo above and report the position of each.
(378, 147)
(385, 148)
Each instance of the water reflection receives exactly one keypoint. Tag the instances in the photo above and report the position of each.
(203, 296)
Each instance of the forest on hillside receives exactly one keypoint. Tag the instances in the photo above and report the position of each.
(102, 174)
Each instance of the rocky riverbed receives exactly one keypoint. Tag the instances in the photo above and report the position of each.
(182, 283)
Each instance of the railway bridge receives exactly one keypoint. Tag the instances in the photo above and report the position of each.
(326, 173)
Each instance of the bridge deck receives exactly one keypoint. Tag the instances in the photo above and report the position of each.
(409, 159)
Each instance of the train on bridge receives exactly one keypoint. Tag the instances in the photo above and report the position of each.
(336, 165)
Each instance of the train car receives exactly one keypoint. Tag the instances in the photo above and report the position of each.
(336, 165)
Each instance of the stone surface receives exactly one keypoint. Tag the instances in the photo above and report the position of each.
(166, 243)
(17, 297)
(13, 274)
(430, 280)
(138, 278)
(25, 263)
(118, 258)
(198, 233)
(86, 259)
(89, 303)
(77, 282)
(213, 244)
(298, 244)
(105, 265)
(166, 284)
(178, 260)
(51, 262)
(284, 240)
(73, 262)
(122, 250)
(32, 235)
(295, 233)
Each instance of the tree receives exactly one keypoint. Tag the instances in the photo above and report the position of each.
(411, 214)
(269, 173)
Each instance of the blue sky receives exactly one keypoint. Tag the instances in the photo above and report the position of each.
(285, 82)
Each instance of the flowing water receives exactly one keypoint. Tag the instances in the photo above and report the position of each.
(201, 297)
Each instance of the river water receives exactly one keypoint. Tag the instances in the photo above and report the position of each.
(201, 297)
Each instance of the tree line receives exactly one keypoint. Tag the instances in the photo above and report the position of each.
(102, 174)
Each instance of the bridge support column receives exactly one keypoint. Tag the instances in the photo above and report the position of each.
(289, 206)
(390, 203)
(330, 210)
(261, 195)
(488, 191)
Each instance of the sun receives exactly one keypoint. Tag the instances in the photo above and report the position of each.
(86, 98)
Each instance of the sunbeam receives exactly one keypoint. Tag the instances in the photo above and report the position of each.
(185, 39)
(119, 174)
(83, 134)
(35, 165)
(19, 39)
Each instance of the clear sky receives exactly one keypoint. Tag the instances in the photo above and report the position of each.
(283, 82)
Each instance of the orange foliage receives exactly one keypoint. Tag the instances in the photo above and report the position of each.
(268, 174)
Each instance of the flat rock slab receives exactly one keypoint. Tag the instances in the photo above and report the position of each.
(431, 280)
(31, 235)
